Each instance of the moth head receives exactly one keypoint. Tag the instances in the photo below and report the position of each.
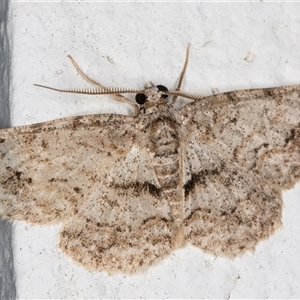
(151, 94)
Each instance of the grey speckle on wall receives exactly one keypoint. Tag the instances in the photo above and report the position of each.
(7, 277)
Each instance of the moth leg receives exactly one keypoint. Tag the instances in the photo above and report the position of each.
(182, 73)
(117, 97)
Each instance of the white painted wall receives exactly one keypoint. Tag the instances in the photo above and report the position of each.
(127, 44)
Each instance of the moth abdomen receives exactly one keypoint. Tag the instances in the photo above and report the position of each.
(166, 155)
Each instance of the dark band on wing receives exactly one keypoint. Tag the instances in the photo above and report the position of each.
(139, 187)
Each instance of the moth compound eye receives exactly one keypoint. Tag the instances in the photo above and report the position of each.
(162, 88)
(140, 99)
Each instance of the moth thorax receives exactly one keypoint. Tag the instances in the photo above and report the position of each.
(164, 137)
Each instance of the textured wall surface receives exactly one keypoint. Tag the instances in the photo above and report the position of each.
(233, 46)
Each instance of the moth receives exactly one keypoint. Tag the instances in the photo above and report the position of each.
(128, 190)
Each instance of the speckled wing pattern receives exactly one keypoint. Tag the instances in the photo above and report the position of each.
(244, 149)
(90, 174)
(128, 190)
(47, 168)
